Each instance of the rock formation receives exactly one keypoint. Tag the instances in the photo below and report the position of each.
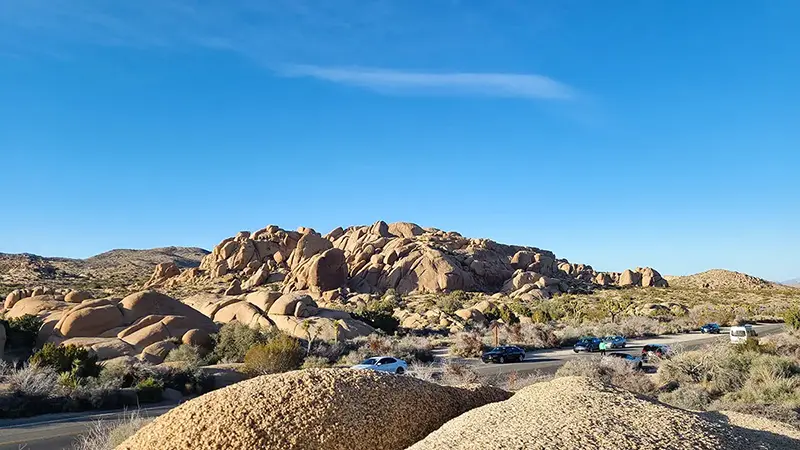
(400, 256)
(563, 414)
(330, 409)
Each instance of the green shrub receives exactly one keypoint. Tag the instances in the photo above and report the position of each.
(188, 354)
(792, 318)
(149, 390)
(520, 310)
(235, 339)
(315, 362)
(22, 331)
(540, 316)
(70, 358)
(378, 314)
(280, 354)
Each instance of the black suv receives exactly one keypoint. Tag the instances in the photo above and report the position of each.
(504, 354)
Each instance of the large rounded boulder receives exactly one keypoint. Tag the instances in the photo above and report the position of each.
(563, 414)
(330, 409)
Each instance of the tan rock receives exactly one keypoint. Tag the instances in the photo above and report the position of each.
(630, 278)
(235, 288)
(271, 413)
(77, 296)
(197, 338)
(155, 353)
(141, 304)
(287, 303)
(90, 318)
(40, 305)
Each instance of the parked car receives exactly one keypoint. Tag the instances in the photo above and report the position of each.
(587, 345)
(383, 364)
(504, 354)
(635, 361)
(740, 335)
(710, 328)
(616, 341)
(658, 350)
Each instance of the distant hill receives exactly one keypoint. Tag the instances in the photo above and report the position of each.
(794, 282)
(720, 279)
(116, 267)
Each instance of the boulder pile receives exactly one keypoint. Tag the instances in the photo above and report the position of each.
(142, 324)
(330, 409)
(579, 413)
(401, 256)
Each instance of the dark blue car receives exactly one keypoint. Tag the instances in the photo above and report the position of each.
(710, 328)
(591, 344)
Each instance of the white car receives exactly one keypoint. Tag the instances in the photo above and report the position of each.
(740, 335)
(383, 364)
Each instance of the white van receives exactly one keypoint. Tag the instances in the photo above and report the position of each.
(740, 335)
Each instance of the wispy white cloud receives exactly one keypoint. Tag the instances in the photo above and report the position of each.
(450, 83)
(327, 35)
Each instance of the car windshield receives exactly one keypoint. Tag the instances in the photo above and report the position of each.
(497, 349)
(369, 361)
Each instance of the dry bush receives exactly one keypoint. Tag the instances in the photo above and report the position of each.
(609, 370)
(467, 344)
(315, 362)
(107, 435)
(280, 354)
(189, 354)
(690, 397)
(33, 381)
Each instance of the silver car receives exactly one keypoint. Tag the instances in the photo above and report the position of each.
(615, 341)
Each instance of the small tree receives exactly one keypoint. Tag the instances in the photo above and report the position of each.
(616, 306)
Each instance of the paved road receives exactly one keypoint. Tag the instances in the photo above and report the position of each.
(548, 361)
(58, 431)
(53, 432)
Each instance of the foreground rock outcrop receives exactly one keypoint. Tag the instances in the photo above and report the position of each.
(577, 413)
(330, 409)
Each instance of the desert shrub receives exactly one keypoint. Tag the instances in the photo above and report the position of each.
(379, 319)
(108, 435)
(70, 358)
(189, 354)
(540, 316)
(378, 314)
(235, 339)
(409, 348)
(315, 362)
(149, 390)
(330, 351)
(280, 354)
(610, 371)
(21, 332)
(413, 348)
(467, 344)
(792, 318)
(691, 397)
(785, 344)
(534, 335)
(32, 381)
(520, 309)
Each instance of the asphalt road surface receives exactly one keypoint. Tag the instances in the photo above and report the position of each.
(59, 431)
(548, 361)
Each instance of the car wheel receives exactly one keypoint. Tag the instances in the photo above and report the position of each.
(502, 360)
(400, 371)
(521, 358)
(624, 344)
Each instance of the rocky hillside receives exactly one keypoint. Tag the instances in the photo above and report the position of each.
(720, 279)
(112, 268)
(401, 256)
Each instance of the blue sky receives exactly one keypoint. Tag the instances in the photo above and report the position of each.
(661, 133)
